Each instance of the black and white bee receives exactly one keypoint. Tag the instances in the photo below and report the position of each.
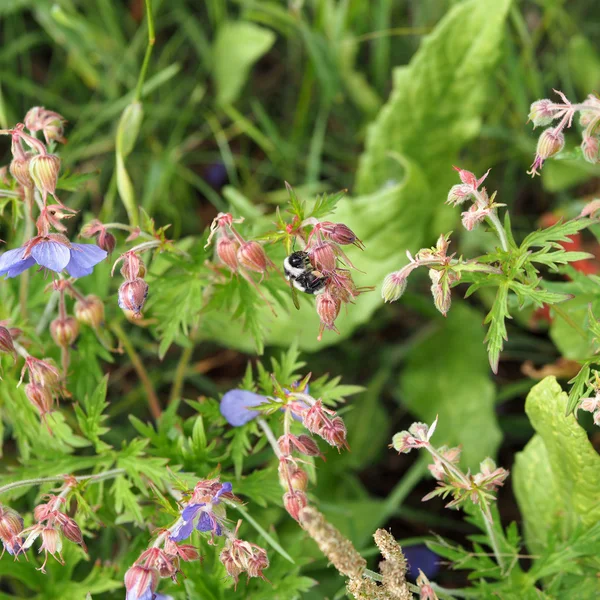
(302, 276)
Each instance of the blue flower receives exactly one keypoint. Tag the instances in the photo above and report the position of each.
(236, 405)
(204, 516)
(78, 259)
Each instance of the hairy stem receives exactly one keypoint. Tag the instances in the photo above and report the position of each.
(500, 232)
(270, 436)
(56, 478)
(138, 365)
(494, 541)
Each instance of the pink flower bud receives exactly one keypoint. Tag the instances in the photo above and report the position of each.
(50, 122)
(132, 295)
(292, 476)
(71, 530)
(90, 311)
(141, 582)
(106, 241)
(19, 169)
(334, 433)
(590, 149)
(294, 501)
(441, 282)
(458, 194)
(40, 397)
(586, 117)
(393, 286)
(341, 234)
(474, 216)
(233, 567)
(540, 113)
(64, 332)
(258, 561)
(328, 308)
(6, 342)
(227, 250)
(43, 372)
(550, 143)
(11, 523)
(44, 169)
(133, 266)
(323, 257)
(252, 256)
(51, 541)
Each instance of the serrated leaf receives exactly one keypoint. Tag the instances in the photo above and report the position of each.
(447, 375)
(557, 476)
(497, 334)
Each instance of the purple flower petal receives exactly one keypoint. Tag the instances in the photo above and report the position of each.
(12, 262)
(235, 406)
(189, 512)
(207, 522)
(183, 531)
(225, 487)
(83, 259)
(52, 255)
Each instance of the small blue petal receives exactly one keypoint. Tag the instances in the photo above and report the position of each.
(189, 512)
(12, 262)
(83, 259)
(52, 255)
(225, 487)
(235, 406)
(183, 531)
(207, 522)
(420, 557)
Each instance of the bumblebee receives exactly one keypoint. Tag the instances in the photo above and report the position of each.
(302, 276)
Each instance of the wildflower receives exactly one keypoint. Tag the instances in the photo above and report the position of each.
(141, 582)
(53, 252)
(239, 556)
(204, 510)
(132, 296)
(417, 436)
(236, 404)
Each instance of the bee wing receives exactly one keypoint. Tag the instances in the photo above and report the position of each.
(294, 295)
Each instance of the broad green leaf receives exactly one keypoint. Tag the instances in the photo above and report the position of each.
(237, 47)
(557, 476)
(406, 170)
(448, 375)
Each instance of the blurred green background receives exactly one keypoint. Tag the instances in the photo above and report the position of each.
(378, 97)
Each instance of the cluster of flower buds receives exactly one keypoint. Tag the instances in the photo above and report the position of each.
(45, 384)
(462, 487)
(134, 290)
(239, 556)
(50, 123)
(552, 140)
(237, 254)
(592, 404)
(51, 525)
(482, 207)
(239, 407)
(324, 248)
(443, 273)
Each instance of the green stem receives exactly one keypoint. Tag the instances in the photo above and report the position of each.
(495, 221)
(27, 235)
(138, 365)
(372, 575)
(182, 366)
(494, 541)
(149, 48)
(39, 480)
(270, 436)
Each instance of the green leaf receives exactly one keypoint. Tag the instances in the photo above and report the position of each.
(237, 47)
(556, 477)
(91, 420)
(497, 331)
(447, 375)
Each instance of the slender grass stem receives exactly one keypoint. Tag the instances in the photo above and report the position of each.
(182, 365)
(138, 365)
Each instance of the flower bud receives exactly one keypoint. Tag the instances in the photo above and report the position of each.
(43, 372)
(393, 286)
(458, 194)
(71, 530)
(342, 234)
(50, 122)
(550, 143)
(132, 295)
(11, 523)
(44, 169)
(290, 475)
(227, 249)
(6, 342)
(540, 113)
(51, 541)
(323, 258)
(252, 256)
(233, 567)
(257, 562)
(19, 169)
(64, 332)
(106, 241)
(141, 582)
(133, 266)
(90, 311)
(328, 308)
(40, 397)
(294, 502)
(590, 149)
(587, 116)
